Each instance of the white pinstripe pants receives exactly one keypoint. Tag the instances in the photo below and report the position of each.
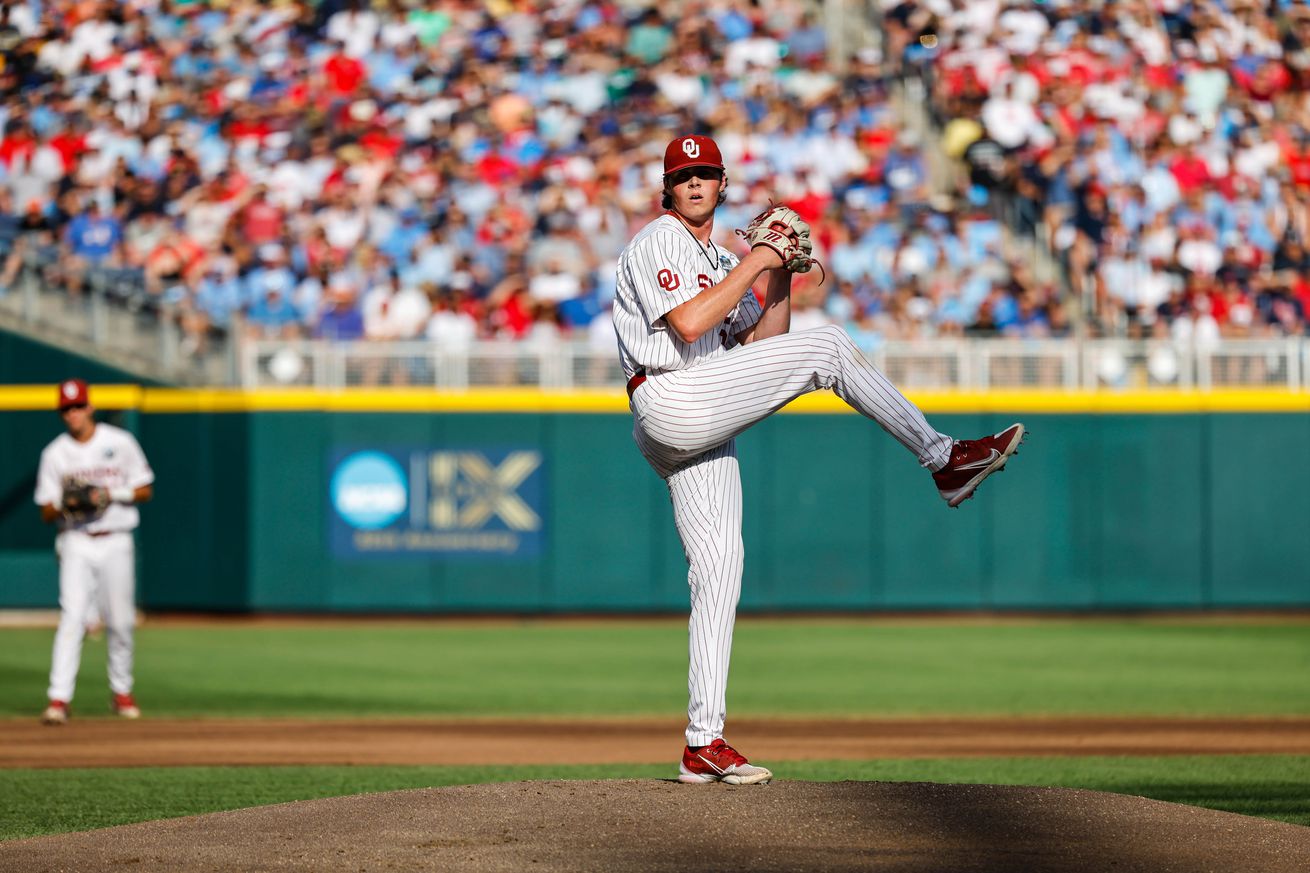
(94, 571)
(686, 422)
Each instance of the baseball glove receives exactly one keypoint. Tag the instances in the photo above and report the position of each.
(783, 230)
(83, 498)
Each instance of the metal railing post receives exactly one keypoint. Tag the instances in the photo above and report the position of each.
(29, 291)
(1070, 354)
(168, 338)
(99, 315)
(246, 351)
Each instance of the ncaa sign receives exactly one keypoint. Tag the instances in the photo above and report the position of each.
(415, 501)
(369, 490)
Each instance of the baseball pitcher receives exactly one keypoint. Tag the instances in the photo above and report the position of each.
(88, 485)
(705, 360)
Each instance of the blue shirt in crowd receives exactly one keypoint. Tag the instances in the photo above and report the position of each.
(94, 237)
(341, 324)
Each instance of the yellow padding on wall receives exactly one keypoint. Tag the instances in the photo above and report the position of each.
(37, 397)
(613, 401)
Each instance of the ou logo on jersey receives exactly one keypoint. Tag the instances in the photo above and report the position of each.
(691, 148)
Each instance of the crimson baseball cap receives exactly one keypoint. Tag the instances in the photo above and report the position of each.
(72, 392)
(692, 150)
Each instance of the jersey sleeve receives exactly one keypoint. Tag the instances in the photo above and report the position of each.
(664, 274)
(49, 487)
(748, 312)
(135, 465)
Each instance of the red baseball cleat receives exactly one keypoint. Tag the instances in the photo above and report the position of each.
(973, 461)
(125, 706)
(55, 713)
(719, 762)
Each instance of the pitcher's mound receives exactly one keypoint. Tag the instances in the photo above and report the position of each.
(640, 825)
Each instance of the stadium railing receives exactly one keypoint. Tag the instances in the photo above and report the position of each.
(965, 364)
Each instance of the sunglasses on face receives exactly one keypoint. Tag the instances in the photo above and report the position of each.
(709, 174)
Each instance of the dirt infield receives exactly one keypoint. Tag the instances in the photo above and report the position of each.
(103, 742)
(628, 826)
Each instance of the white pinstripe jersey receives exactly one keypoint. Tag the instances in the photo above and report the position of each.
(112, 458)
(662, 267)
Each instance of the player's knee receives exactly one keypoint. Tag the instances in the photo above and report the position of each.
(120, 632)
(833, 332)
(832, 349)
(831, 339)
(735, 556)
(839, 338)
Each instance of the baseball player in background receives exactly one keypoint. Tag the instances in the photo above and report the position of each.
(705, 360)
(88, 484)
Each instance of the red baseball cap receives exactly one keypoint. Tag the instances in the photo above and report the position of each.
(692, 150)
(72, 392)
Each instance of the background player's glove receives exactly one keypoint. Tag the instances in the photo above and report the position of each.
(83, 497)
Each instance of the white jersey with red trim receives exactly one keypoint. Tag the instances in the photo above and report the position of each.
(663, 267)
(112, 458)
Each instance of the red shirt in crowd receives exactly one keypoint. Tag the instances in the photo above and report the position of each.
(515, 315)
(1298, 161)
(1301, 291)
(381, 143)
(495, 169)
(344, 74)
(1084, 66)
(1269, 80)
(261, 222)
(1190, 171)
(16, 146)
(249, 128)
(70, 147)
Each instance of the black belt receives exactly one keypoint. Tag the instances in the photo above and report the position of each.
(635, 382)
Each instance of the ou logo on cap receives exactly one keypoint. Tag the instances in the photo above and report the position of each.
(70, 390)
(691, 148)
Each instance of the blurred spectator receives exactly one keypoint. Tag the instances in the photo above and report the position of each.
(471, 171)
(271, 315)
(91, 238)
(342, 320)
(1156, 147)
(449, 326)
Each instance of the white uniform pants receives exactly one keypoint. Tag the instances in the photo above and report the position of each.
(97, 570)
(686, 422)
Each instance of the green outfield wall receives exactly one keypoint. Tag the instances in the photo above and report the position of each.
(552, 510)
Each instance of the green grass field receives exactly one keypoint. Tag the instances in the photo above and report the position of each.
(780, 667)
(795, 667)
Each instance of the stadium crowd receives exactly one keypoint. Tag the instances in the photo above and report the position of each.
(458, 170)
(1161, 150)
